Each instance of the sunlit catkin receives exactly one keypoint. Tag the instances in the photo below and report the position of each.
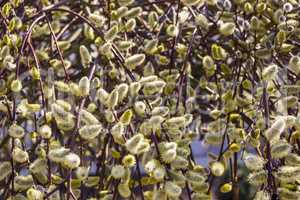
(112, 99)
(89, 132)
(16, 131)
(253, 162)
(34, 194)
(217, 168)
(84, 86)
(274, 132)
(71, 160)
(118, 171)
(172, 190)
(16, 85)
(126, 117)
(88, 118)
(133, 61)
(45, 131)
(85, 56)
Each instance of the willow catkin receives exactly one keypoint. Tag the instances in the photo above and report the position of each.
(133, 61)
(84, 86)
(286, 194)
(16, 131)
(112, 99)
(99, 20)
(118, 171)
(227, 28)
(88, 118)
(190, 2)
(111, 33)
(217, 168)
(117, 131)
(85, 56)
(292, 159)
(225, 188)
(253, 162)
(129, 160)
(6, 170)
(38, 165)
(172, 30)
(257, 178)
(151, 46)
(274, 132)
(159, 173)
(123, 91)
(71, 160)
(126, 117)
(172, 190)
(280, 149)
(102, 95)
(133, 12)
(16, 85)
(82, 172)
(269, 73)
(58, 154)
(34, 194)
(125, 2)
(161, 111)
(23, 182)
(19, 155)
(89, 132)
(139, 108)
(288, 174)
(124, 190)
(130, 25)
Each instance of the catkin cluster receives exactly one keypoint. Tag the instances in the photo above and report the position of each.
(151, 100)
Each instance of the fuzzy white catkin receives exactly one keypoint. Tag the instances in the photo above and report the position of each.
(85, 56)
(134, 88)
(38, 165)
(102, 95)
(123, 91)
(151, 46)
(227, 29)
(33, 194)
(84, 86)
(23, 182)
(111, 33)
(88, 118)
(118, 171)
(5, 169)
(253, 162)
(133, 61)
(89, 132)
(99, 20)
(58, 154)
(16, 131)
(71, 160)
(217, 168)
(112, 100)
(19, 155)
(82, 172)
(274, 132)
(172, 190)
(269, 73)
(45, 131)
(16, 85)
(139, 108)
